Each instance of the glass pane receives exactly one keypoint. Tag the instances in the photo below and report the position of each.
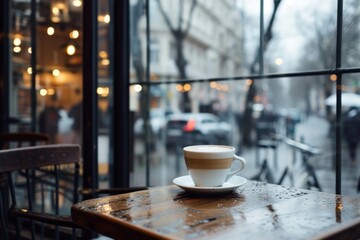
(104, 91)
(303, 36)
(350, 50)
(293, 133)
(296, 113)
(169, 129)
(204, 46)
(290, 113)
(58, 74)
(20, 44)
(351, 134)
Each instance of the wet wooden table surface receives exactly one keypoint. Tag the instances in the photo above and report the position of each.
(253, 211)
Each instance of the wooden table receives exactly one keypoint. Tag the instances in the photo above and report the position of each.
(253, 211)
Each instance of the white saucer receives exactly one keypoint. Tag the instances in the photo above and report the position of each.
(186, 183)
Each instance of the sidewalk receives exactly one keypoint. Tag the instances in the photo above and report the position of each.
(314, 132)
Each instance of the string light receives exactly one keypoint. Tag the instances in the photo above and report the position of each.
(50, 31)
(17, 49)
(137, 88)
(43, 92)
(70, 49)
(17, 41)
(76, 3)
(74, 34)
(333, 77)
(56, 72)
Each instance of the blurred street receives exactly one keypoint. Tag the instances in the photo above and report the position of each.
(165, 165)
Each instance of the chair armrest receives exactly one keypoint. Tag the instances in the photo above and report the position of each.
(59, 220)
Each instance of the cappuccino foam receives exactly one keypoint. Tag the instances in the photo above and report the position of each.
(212, 148)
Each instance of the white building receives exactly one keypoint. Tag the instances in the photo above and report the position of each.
(212, 48)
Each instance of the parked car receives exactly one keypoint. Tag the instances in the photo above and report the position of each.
(158, 118)
(196, 128)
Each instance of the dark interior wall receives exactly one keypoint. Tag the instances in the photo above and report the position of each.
(4, 66)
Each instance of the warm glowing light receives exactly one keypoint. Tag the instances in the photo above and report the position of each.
(30, 50)
(77, 3)
(105, 62)
(50, 31)
(187, 87)
(219, 87)
(213, 84)
(60, 11)
(107, 18)
(56, 72)
(55, 10)
(183, 88)
(43, 92)
(279, 61)
(17, 49)
(137, 88)
(100, 90)
(103, 54)
(333, 77)
(51, 91)
(179, 87)
(74, 34)
(70, 49)
(104, 18)
(17, 41)
(248, 82)
(29, 70)
(103, 91)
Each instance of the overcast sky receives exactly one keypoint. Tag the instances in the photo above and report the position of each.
(291, 28)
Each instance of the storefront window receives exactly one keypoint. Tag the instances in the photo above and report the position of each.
(56, 41)
(201, 72)
(271, 83)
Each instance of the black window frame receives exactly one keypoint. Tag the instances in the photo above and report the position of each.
(120, 135)
(338, 71)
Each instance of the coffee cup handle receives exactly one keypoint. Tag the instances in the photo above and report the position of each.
(243, 164)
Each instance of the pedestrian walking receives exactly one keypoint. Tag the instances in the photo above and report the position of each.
(290, 127)
(76, 113)
(49, 120)
(351, 131)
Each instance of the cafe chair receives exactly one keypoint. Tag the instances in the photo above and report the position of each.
(17, 140)
(23, 139)
(59, 166)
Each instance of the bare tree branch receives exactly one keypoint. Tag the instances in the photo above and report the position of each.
(180, 17)
(165, 16)
(193, 4)
(248, 121)
(179, 35)
(267, 36)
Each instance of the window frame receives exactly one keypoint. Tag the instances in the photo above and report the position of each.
(338, 71)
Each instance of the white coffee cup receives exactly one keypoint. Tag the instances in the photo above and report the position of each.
(210, 165)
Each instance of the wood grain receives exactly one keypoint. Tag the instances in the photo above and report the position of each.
(254, 211)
